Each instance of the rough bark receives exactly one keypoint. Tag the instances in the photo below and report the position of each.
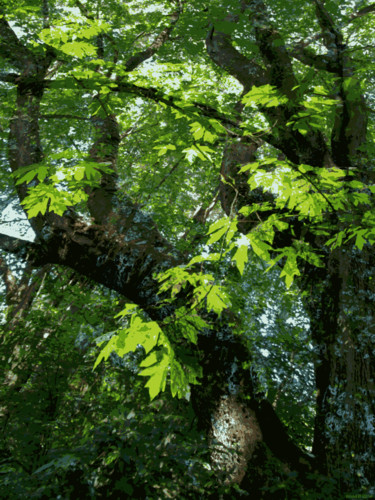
(341, 309)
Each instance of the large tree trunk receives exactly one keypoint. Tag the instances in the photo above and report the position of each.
(341, 310)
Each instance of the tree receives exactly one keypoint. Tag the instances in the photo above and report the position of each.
(123, 166)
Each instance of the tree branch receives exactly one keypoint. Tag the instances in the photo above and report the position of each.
(308, 57)
(150, 93)
(332, 37)
(9, 279)
(9, 77)
(222, 52)
(12, 49)
(363, 12)
(63, 117)
(137, 59)
(14, 245)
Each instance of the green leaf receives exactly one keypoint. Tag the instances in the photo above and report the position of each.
(179, 381)
(158, 375)
(79, 173)
(259, 246)
(232, 229)
(290, 268)
(78, 49)
(225, 26)
(218, 229)
(211, 257)
(128, 309)
(360, 241)
(104, 353)
(164, 149)
(197, 130)
(249, 167)
(151, 359)
(240, 258)
(27, 174)
(265, 95)
(217, 299)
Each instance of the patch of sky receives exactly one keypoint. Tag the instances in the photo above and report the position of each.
(14, 223)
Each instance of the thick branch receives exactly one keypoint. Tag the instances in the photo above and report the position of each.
(9, 280)
(151, 93)
(126, 263)
(20, 56)
(11, 48)
(9, 77)
(277, 439)
(349, 130)
(24, 146)
(14, 245)
(332, 37)
(272, 48)
(308, 57)
(350, 126)
(137, 59)
(105, 150)
(310, 148)
(157, 96)
(59, 116)
(363, 12)
(222, 52)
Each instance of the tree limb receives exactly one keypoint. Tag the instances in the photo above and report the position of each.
(310, 58)
(60, 116)
(363, 12)
(140, 57)
(12, 49)
(222, 52)
(14, 245)
(332, 37)
(8, 277)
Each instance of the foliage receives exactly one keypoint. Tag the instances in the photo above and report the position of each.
(139, 106)
(72, 431)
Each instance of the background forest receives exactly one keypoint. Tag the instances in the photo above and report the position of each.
(186, 249)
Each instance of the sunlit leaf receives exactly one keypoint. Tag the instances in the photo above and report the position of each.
(240, 258)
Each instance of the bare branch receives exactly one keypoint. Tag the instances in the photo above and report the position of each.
(137, 59)
(363, 12)
(11, 48)
(220, 49)
(84, 10)
(168, 174)
(331, 35)
(63, 117)
(14, 245)
(9, 279)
